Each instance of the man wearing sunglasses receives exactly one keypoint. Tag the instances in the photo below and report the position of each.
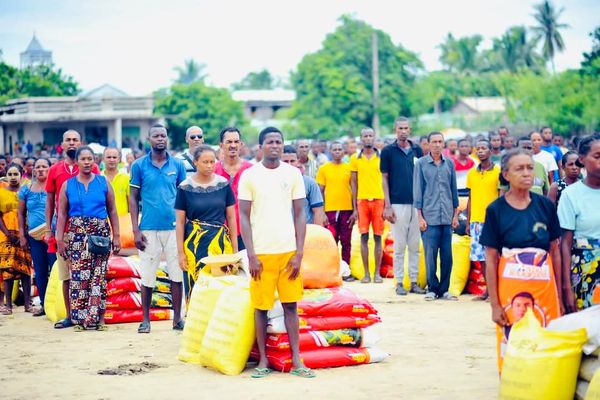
(194, 138)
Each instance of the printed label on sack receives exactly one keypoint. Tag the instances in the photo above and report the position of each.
(527, 272)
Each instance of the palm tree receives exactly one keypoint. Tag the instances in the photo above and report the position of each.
(548, 28)
(461, 55)
(513, 51)
(191, 71)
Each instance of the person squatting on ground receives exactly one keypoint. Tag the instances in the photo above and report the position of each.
(154, 181)
(86, 201)
(397, 167)
(368, 200)
(436, 200)
(204, 203)
(274, 239)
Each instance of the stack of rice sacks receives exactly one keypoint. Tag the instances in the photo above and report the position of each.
(123, 290)
(334, 322)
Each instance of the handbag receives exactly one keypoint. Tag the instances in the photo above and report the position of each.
(99, 245)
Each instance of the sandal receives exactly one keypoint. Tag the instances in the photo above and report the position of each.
(179, 325)
(261, 372)
(6, 311)
(65, 323)
(29, 309)
(378, 279)
(102, 327)
(144, 327)
(303, 372)
(366, 279)
(39, 312)
(78, 328)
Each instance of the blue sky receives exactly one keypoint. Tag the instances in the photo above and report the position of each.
(135, 44)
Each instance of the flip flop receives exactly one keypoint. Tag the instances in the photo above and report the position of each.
(261, 372)
(365, 280)
(144, 327)
(65, 323)
(303, 372)
(102, 327)
(78, 328)
(179, 326)
(378, 280)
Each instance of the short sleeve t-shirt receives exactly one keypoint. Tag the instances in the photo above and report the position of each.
(577, 211)
(461, 174)
(335, 178)
(547, 160)
(313, 197)
(505, 226)
(120, 185)
(35, 203)
(272, 191)
(370, 185)
(205, 203)
(483, 189)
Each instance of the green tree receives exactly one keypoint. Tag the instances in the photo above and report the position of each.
(198, 104)
(462, 54)
(191, 72)
(513, 51)
(334, 84)
(548, 29)
(42, 80)
(591, 61)
(256, 80)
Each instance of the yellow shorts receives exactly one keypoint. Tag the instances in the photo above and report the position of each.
(275, 275)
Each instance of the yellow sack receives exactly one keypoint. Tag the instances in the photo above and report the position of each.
(461, 264)
(356, 265)
(230, 333)
(540, 364)
(593, 391)
(54, 302)
(205, 295)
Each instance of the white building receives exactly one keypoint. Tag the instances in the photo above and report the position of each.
(105, 115)
(35, 55)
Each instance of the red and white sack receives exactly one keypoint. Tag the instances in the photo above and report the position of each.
(125, 316)
(311, 340)
(277, 325)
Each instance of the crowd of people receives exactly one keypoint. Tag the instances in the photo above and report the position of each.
(528, 202)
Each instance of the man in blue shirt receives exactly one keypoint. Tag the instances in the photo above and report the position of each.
(553, 149)
(314, 206)
(154, 181)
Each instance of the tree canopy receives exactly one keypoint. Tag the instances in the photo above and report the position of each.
(334, 85)
(191, 71)
(256, 80)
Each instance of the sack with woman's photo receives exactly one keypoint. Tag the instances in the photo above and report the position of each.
(99, 245)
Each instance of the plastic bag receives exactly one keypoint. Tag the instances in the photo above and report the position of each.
(593, 389)
(123, 267)
(327, 357)
(589, 367)
(125, 316)
(311, 340)
(126, 229)
(230, 332)
(333, 301)
(321, 260)
(588, 319)
(133, 301)
(461, 264)
(540, 364)
(356, 264)
(54, 302)
(277, 324)
(123, 285)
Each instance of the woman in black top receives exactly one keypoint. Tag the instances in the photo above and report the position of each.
(204, 203)
(522, 252)
(572, 175)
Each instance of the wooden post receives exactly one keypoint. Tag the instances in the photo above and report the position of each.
(375, 78)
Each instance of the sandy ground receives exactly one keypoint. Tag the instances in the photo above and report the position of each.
(439, 350)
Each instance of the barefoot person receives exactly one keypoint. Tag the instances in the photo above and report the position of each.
(154, 181)
(87, 202)
(274, 238)
(368, 200)
(58, 174)
(520, 235)
(15, 261)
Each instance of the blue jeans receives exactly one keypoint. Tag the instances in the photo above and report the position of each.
(42, 264)
(437, 239)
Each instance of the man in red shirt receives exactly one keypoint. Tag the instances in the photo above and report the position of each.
(462, 164)
(232, 166)
(58, 174)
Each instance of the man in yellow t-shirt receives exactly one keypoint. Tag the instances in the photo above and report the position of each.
(482, 183)
(334, 180)
(368, 200)
(118, 179)
(274, 239)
